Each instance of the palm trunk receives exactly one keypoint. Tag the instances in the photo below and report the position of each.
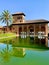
(7, 26)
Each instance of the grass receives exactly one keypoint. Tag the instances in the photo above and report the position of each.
(7, 35)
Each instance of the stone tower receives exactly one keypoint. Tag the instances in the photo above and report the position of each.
(19, 17)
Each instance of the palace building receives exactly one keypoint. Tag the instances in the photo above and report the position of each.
(28, 27)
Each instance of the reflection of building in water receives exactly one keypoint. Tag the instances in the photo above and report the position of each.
(39, 41)
(30, 41)
(44, 41)
(18, 52)
(48, 42)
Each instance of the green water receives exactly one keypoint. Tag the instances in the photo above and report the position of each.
(27, 51)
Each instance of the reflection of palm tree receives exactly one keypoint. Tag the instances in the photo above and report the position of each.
(5, 53)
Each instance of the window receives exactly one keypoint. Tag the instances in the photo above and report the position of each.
(20, 21)
(19, 17)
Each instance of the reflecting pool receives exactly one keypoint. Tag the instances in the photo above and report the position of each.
(24, 51)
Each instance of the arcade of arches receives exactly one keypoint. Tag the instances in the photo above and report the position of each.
(33, 29)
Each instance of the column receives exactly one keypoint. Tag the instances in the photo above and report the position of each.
(40, 27)
(22, 28)
(34, 29)
(17, 31)
(46, 42)
(27, 30)
(46, 29)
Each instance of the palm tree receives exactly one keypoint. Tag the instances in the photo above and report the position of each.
(6, 18)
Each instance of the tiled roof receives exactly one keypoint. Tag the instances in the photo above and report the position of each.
(33, 21)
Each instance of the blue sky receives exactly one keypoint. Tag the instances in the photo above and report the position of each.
(34, 9)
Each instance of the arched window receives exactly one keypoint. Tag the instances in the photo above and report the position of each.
(31, 28)
(25, 29)
(20, 30)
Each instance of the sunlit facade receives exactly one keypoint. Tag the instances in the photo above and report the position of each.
(28, 27)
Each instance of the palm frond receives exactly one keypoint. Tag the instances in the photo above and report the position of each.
(5, 17)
